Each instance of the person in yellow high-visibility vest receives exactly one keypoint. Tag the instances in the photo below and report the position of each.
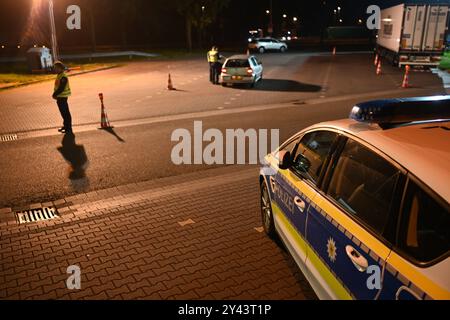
(61, 94)
(214, 57)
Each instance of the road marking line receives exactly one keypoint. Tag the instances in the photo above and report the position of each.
(227, 102)
(232, 98)
(259, 229)
(185, 223)
(220, 108)
(138, 101)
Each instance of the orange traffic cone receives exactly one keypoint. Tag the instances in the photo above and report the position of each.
(104, 122)
(375, 63)
(248, 52)
(334, 51)
(169, 84)
(379, 67)
(405, 83)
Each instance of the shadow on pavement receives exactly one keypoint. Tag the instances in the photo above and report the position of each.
(282, 85)
(111, 131)
(76, 156)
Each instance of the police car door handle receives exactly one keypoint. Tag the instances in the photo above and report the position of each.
(357, 259)
(300, 203)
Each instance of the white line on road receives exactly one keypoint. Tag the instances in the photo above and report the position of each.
(219, 112)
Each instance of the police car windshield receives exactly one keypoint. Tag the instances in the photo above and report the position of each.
(238, 63)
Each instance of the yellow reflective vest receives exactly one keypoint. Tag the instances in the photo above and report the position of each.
(66, 92)
(213, 56)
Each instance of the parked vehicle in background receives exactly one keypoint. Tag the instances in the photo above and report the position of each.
(267, 44)
(413, 34)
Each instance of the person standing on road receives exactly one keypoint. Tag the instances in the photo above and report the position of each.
(215, 66)
(61, 95)
(212, 57)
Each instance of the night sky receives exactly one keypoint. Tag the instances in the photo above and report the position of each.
(156, 23)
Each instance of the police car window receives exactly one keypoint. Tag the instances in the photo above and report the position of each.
(363, 184)
(238, 63)
(288, 147)
(425, 227)
(312, 152)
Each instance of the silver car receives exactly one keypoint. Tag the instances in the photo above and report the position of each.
(266, 44)
(241, 69)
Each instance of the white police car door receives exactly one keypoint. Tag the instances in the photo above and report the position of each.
(346, 226)
(421, 272)
(298, 184)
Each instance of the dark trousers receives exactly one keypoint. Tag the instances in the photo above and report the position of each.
(211, 72)
(65, 113)
(217, 67)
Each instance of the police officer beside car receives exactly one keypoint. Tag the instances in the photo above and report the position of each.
(215, 66)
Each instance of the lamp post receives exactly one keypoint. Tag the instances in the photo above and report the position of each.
(53, 31)
(270, 13)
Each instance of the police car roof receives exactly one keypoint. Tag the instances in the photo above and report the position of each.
(422, 148)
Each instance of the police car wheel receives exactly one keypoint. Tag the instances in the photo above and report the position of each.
(266, 212)
(262, 49)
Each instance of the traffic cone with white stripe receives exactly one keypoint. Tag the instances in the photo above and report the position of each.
(104, 122)
(334, 51)
(248, 52)
(405, 83)
(375, 63)
(170, 84)
(379, 67)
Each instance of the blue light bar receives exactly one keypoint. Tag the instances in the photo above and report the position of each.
(391, 112)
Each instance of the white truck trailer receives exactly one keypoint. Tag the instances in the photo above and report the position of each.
(413, 34)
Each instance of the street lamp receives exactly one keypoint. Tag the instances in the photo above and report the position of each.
(285, 16)
(294, 19)
(270, 13)
(53, 29)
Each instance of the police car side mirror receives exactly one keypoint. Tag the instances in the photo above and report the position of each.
(285, 160)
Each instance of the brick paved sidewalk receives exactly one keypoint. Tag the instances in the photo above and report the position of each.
(189, 237)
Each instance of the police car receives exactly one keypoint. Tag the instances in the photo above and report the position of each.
(362, 204)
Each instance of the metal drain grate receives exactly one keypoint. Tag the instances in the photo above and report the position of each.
(8, 137)
(35, 215)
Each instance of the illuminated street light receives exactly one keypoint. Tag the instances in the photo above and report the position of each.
(203, 8)
(295, 19)
(3, 47)
(18, 47)
(267, 11)
(340, 20)
(53, 28)
(285, 16)
(359, 21)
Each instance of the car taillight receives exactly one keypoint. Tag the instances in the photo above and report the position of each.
(249, 70)
(224, 70)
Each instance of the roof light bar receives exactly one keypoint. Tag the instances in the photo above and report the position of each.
(390, 112)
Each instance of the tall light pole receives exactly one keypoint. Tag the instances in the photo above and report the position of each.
(270, 28)
(53, 30)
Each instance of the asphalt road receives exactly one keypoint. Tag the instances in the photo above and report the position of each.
(297, 90)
